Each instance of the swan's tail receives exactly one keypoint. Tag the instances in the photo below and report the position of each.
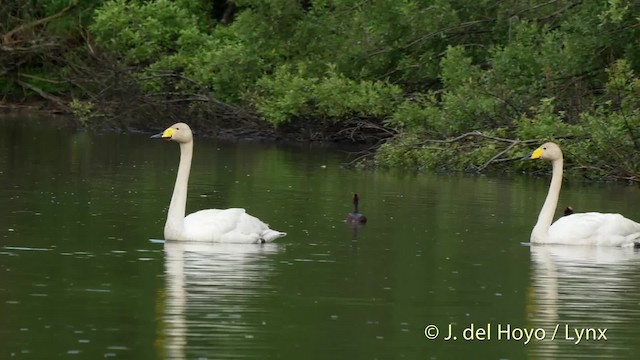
(270, 235)
(633, 240)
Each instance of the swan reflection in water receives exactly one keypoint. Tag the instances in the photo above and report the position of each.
(214, 298)
(576, 287)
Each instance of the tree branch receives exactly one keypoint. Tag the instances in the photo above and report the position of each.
(44, 94)
(511, 143)
(7, 37)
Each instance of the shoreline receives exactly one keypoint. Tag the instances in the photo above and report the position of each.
(60, 119)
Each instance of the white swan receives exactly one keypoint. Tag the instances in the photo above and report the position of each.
(212, 225)
(590, 228)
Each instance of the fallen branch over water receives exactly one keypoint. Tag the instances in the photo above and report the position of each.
(498, 157)
(471, 151)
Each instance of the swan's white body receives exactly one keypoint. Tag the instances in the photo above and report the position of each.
(213, 225)
(595, 228)
(591, 228)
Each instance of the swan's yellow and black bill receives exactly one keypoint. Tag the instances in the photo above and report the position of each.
(535, 155)
(167, 134)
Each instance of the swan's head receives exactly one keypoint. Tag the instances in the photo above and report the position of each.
(547, 151)
(178, 132)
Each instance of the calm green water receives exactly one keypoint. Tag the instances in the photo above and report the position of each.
(83, 276)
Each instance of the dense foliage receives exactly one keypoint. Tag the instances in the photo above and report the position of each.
(461, 84)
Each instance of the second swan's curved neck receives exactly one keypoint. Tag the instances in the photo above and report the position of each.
(540, 232)
(177, 208)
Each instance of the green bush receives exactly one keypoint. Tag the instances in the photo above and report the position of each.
(291, 94)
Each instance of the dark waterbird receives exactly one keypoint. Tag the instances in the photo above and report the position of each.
(356, 217)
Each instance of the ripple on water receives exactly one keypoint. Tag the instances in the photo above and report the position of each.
(118, 348)
(22, 248)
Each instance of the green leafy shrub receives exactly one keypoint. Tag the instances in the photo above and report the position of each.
(83, 111)
(291, 94)
(142, 33)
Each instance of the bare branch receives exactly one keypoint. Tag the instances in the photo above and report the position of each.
(497, 156)
(7, 37)
(472, 134)
(42, 79)
(447, 29)
(58, 101)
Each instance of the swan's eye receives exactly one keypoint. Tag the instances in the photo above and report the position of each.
(177, 128)
(544, 148)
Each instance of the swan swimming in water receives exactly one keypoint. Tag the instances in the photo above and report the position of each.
(590, 228)
(356, 217)
(213, 225)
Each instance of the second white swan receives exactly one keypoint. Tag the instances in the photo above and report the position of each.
(212, 225)
(590, 228)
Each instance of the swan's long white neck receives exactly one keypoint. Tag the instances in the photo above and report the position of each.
(174, 226)
(540, 232)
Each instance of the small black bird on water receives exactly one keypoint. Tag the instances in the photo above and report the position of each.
(356, 217)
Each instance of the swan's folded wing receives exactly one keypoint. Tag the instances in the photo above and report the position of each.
(228, 225)
(252, 226)
(594, 229)
(212, 223)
